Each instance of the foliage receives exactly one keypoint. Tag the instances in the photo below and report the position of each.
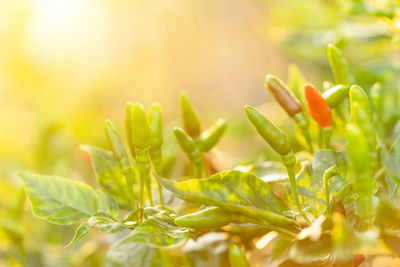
(332, 195)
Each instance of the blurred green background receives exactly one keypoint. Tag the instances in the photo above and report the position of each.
(66, 65)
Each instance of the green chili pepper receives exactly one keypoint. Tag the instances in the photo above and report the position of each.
(339, 65)
(191, 123)
(376, 97)
(361, 114)
(189, 147)
(237, 257)
(328, 174)
(211, 137)
(337, 98)
(156, 137)
(278, 141)
(357, 147)
(290, 104)
(208, 218)
(156, 141)
(140, 127)
(359, 154)
(128, 127)
(358, 95)
(335, 95)
(272, 135)
(141, 140)
(121, 156)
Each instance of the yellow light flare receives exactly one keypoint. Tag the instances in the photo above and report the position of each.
(266, 239)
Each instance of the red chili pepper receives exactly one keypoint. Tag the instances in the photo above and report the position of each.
(317, 106)
(358, 259)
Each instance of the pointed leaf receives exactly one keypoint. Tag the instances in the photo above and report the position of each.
(234, 191)
(59, 200)
(108, 173)
(134, 255)
(107, 204)
(80, 232)
(159, 232)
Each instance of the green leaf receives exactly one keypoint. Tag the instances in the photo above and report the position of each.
(324, 159)
(59, 200)
(159, 232)
(134, 255)
(107, 204)
(106, 224)
(234, 191)
(108, 173)
(80, 232)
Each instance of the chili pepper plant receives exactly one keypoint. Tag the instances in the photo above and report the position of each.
(330, 198)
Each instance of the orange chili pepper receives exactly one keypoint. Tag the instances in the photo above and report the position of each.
(317, 106)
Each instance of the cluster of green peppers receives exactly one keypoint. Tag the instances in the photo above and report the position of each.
(145, 140)
(192, 140)
(353, 107)
(349, 102)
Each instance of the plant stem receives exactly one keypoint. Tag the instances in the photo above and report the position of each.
(328, 174)
(326, 133)
(142, 159)
(289, 161)
(302, 122)
(129, 178)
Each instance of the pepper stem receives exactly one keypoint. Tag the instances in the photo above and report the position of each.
(326, 133)
(302, 122)
(328, 174)
(142, 159)
(289, 161)
(129, 179)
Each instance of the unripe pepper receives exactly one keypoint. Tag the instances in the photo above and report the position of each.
(140, 127)
(189, 147)
(141, 140)
(156, 136)
(278, 141)
(289, 103)
(272, 135)
(339, 65)
(211, 137)
(282, 94)
(156, 141)
(359, 154)
(358, 95)
(361, 114)
(237, 257)
(318, 107)
(335, 95)
(376, 97)
(190, 120)
(342, 75)
(357, 147)
(208, 218)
